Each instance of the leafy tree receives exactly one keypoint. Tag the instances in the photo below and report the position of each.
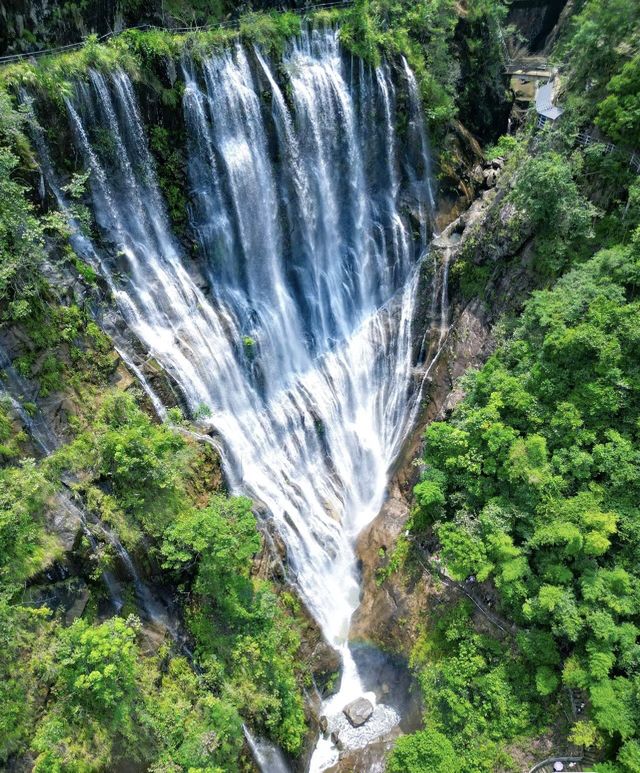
(21, 233)
(559, 214)
(533, 483)
(24, 547)
(93, 673)
(619, 113)
(236, 619)
(424, 750)
(598, 47)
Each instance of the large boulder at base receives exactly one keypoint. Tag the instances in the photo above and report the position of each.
(358, 711)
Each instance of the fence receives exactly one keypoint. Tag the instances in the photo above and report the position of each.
(584, 138)
(230, 24)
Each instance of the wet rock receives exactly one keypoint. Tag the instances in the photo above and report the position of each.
(63, 520)
(383, 606)
(390, 612)
(358, 711)
(490, 177)
(372, 758)
(476, 174)
(67, 596)
(336, 740)
(77, 608)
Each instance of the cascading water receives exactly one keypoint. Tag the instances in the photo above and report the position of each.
(295, 327)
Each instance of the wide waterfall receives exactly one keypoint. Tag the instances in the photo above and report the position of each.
(293, 323)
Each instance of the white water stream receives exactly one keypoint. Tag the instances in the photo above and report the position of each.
(294, 323)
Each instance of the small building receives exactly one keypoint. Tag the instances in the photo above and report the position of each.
(545, 108)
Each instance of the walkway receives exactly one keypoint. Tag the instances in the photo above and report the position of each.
(582, 764)
(529, 67)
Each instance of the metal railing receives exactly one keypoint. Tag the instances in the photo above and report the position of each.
(550, 760)
(584, 138)
(228, 24)
(527, 64)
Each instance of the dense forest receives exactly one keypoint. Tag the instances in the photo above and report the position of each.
(530, 487)
(148, 619)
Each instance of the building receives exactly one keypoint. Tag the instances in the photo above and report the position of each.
(545, 108)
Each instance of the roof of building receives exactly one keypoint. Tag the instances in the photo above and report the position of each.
(544, 102)
(552, 113)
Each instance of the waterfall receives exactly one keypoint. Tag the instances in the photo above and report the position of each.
(268, 758)
(294, 323)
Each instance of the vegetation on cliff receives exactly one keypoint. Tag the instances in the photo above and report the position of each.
(87, 693)
(83, 697)
(448, 48)
(529, 491)
(531, 487)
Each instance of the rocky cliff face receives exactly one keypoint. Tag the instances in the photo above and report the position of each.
(28, 25)
(392, 611)
(31, 25)
(535, 19)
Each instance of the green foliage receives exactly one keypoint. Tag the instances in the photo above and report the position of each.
(619, 113)
(11, 441)
(107, 703)
(24, 547)
(477, 695)
(194, 729)
(423, 33)
(21, 233)
(483, 100)
(138, 465)
(429, 34)
(187, 12)
(602, 37)
(171, 168)
(87, 697)
(424, 750)
(236, 620)
(93, 673)
(559, 214)
(539, 469)
(270, 31)
(54, 75)
(503, 148)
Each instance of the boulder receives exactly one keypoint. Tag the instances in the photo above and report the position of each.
(336, 740)
(358, 711)
(476, 174)
(490, 177)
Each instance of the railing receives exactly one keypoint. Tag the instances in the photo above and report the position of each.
(550, 760)
(527, 64)
(584, 138)
(229, 24)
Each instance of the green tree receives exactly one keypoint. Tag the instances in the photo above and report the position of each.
(422, 751)
(559, 213)
(93, 672)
